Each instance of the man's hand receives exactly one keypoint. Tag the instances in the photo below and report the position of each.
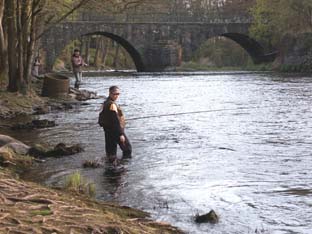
(122, 139)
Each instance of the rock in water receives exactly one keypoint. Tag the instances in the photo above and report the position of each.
(210, 217)
(92, 164)
(35, 124)
(41, 110)
(82, 95)
(43, 123)
(62, 150)
(38, 151)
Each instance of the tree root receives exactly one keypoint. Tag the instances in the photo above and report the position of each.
(3, 216)
(38, 200)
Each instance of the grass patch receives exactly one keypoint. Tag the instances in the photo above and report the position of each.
(10, 159)
(78, 184)
(14, 104)
(44, 212)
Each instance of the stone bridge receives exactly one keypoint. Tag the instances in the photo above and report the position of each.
(154, 46)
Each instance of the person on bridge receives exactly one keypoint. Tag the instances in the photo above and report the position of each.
(113, 122)
(77, 63)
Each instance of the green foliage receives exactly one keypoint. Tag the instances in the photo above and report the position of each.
(113, 60)
(77, 183)
(295, 68)
(221, 52)
(263, 26)
(273, 19)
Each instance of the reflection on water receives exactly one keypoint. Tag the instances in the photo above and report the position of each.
(251, 163)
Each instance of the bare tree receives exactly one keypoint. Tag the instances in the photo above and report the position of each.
(3, 47)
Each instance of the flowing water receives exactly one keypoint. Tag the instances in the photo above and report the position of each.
(249, 160)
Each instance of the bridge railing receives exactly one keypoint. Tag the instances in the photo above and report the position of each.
(212, 18)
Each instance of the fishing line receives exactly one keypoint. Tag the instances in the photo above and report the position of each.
(199, 112)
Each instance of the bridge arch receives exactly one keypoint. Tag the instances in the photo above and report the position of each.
(251, 46)
(135, 55)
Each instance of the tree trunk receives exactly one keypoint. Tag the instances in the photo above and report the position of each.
(116, 57)
(82, 42)
(31, 44)
(20, 47)
(3, 47)
(105, 51)
(12, 40)
(97, 51)
(87, 46)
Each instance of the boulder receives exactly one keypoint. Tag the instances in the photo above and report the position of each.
(18, 147)
(5, 140)
(11, 143)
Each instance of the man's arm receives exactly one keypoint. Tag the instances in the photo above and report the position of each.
(83, 62)
(115, 120)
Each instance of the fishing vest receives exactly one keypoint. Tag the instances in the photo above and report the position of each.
(105, 117)
(77, 62)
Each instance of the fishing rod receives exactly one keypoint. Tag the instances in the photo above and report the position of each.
(198, 112)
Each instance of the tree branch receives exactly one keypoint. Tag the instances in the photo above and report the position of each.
(80, 4)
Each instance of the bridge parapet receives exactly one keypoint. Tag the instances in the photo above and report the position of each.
(176, 17)
(169, 19)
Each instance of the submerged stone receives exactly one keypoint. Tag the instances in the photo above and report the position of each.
(59, 150)
(92, 164)
(210, 217)
(63, 150)
(35, 124)
(38, 150)
(41, 110)
(82, 95)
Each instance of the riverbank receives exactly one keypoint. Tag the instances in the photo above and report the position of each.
(30, 208)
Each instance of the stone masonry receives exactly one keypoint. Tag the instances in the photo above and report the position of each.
(153, 46)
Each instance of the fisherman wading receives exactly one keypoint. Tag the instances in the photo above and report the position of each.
(112, 120)
(77, 63)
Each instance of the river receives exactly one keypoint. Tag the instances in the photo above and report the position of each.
(248, 158)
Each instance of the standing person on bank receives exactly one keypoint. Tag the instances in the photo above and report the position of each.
(113, 122)
(77, 63)
(35, 67)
